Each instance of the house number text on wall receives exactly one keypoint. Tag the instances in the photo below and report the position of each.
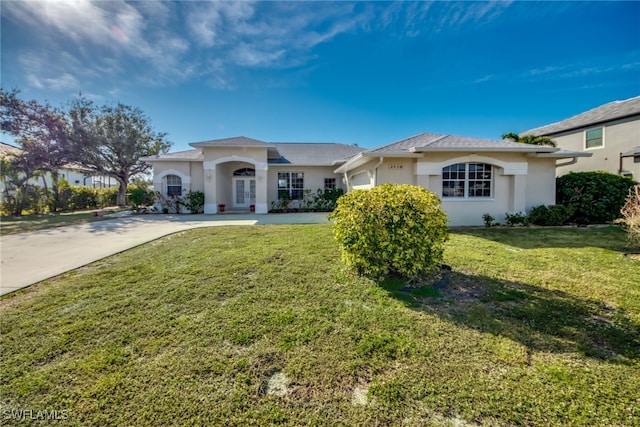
(395, 166)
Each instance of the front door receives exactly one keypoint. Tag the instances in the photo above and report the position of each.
(244, 192)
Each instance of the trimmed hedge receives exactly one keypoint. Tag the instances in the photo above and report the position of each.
(550, 215)
(595, 197)
(391, 230)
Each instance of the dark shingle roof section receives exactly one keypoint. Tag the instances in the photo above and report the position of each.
(612, 111)
(635, 151)
(436, 142)
(313, 154)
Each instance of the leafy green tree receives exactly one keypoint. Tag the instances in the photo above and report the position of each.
(111, 140)
(41, 131)
(18, 192)
(529, 139)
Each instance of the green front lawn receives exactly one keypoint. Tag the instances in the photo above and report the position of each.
(262, 325)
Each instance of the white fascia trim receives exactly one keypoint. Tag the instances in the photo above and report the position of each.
(157, 179)
(509, 168)
(366, 157)
(259, 166)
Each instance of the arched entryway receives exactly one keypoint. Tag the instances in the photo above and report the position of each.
(244, 188)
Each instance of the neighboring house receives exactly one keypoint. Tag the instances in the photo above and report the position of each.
(75, 175)
(611, 133)
(472, 176)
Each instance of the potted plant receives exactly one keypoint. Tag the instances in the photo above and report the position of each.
(252, 208)
(221, 207)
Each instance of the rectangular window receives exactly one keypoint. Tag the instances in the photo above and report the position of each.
(174, 185)
(291, 184)
(453, 180)
(479, 180)
(594, 138)
(329, 183)
(467, 180)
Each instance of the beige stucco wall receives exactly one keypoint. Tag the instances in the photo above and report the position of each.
(361, 181)
(619, 136)
(541, 183)
(396, 170)
(519, 182)
(313, 178)
(219, 164)
(224, 180)
(162, 169)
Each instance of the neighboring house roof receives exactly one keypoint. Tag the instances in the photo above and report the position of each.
(605, 113)
(7, 150)
(178, 156)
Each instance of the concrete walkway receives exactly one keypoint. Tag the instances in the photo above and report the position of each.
(28, 258)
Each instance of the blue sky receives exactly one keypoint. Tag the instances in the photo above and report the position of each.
(366, 73)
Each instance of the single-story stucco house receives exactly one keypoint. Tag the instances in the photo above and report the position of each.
(472, 176)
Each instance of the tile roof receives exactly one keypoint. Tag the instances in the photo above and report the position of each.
(314, 154)
(437, 142)
(8, 150)
(604, 113)
(187, 155)
(284, 153)
(238, 141)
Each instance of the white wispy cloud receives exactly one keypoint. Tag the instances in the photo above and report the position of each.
(75, 41)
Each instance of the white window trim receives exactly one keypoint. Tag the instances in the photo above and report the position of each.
(290, 188)
(584, 139)
(466, 184)
(166, 185)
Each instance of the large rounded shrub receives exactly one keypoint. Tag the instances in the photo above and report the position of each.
(595, 197)
(391, 230)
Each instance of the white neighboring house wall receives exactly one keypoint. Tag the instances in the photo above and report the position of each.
(75, 176)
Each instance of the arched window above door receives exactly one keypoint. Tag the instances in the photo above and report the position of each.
(245, 172)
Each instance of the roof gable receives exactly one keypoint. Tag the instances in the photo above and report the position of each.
(313, 154)
(237, 141)
(437, 142)
(283, 153)
(612, 111)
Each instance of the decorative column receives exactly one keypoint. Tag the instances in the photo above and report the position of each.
(261, 188)
(210, 196)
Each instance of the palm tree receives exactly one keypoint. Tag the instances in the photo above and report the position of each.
(529, 139)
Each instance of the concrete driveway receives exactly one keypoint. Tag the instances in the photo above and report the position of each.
(28, 258)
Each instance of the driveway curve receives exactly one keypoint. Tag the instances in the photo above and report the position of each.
(28, 258)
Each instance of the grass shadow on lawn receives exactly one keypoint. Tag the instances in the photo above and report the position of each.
(541, 319)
